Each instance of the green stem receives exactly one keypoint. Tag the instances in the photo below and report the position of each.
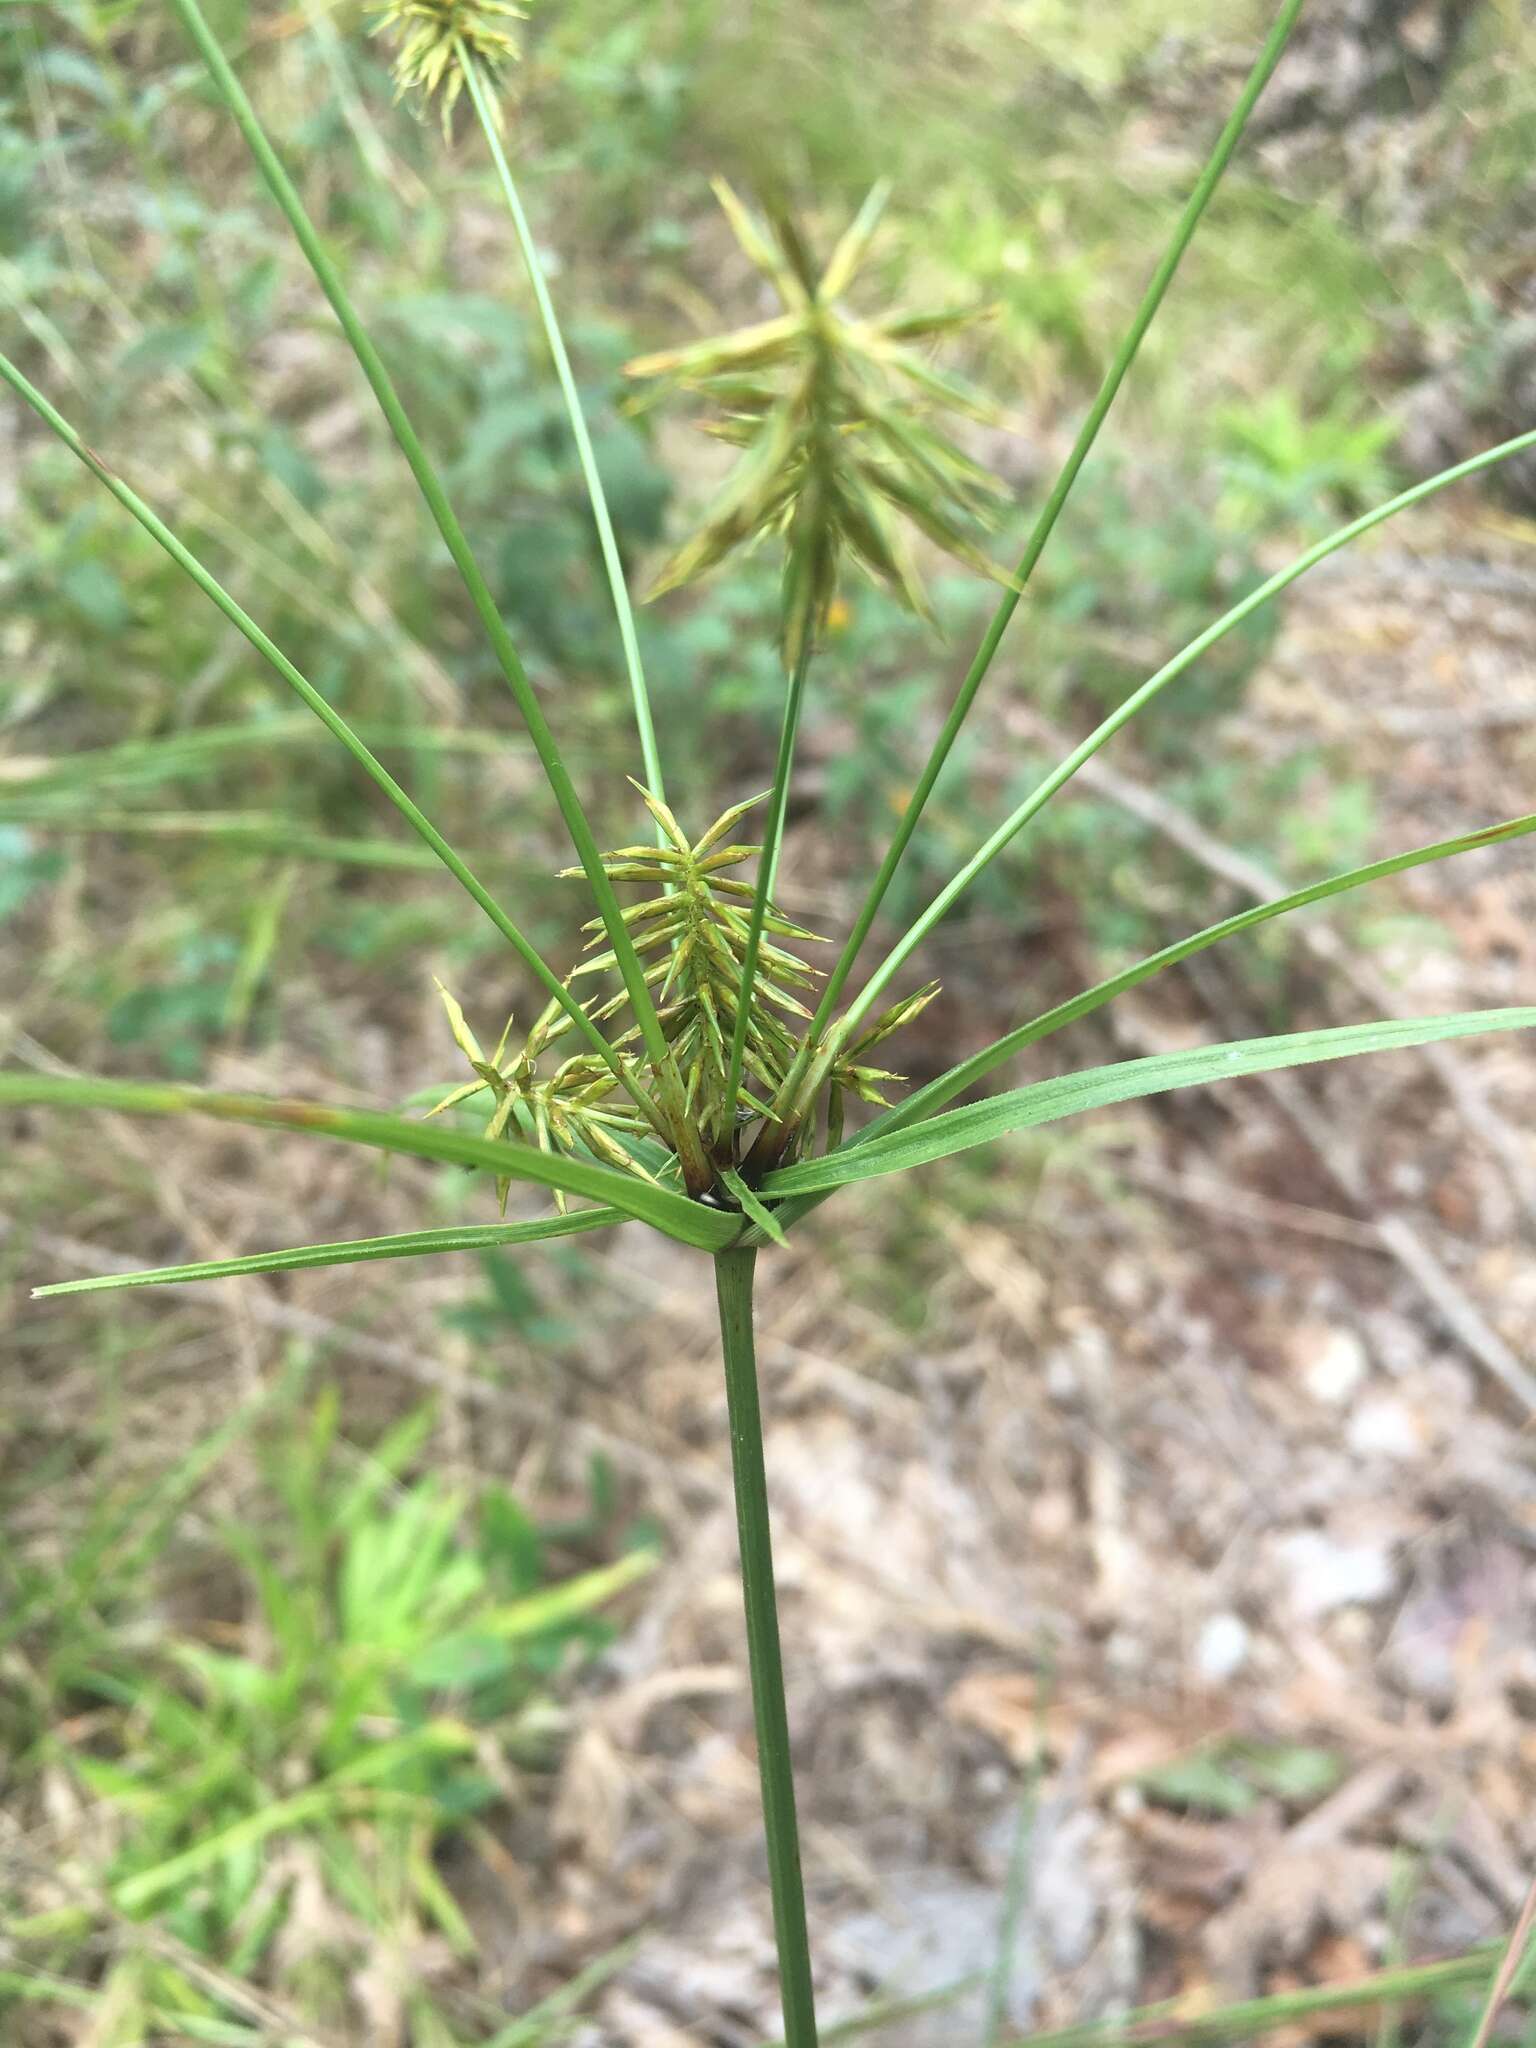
(767, 868)
(211, 588)
(588, 460)
(1050, 512)
(733, 1286)
(371, 363)
(1139, 698)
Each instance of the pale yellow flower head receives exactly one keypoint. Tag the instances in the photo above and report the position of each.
(434, 39)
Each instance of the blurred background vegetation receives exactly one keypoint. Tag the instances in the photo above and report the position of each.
(267, 1682)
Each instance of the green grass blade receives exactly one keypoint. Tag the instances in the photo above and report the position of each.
(409, 1244)
(886, 2012)
(1169, 2022)
(250, 832)
(544, 2023)
(1506, 1982)
(767, 867)
(446, 519)
(1051, 511)
(675, 1215)
(925, 1101)
(211, 588)
(557, 1606)
(1044, 1102)
(181, 755)
(752, 1208)
(1140, 698)
(319, 1802)
(592, 476)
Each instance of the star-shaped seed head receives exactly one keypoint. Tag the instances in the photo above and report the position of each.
(434, 38)
(834, 415)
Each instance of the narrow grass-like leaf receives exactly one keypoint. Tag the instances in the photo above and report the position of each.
(251, 832)
(1044, 1102)
(543, 2024)
(886, 2012)
(925, 1101)
(1171, 2021)
(408, 1244)
(1171, 670)
(764, 1218)
(689, 1222)
(1050, 512)
(265, 646)
(1506, 1982)
(612, 562)
(317, 1803)
(554, 1606)
(446, 520)
(176, 755)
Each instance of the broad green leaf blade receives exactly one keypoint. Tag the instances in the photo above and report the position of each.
(410, 1244)
(924, 1102)
(688, 1221)
(1044, 1102)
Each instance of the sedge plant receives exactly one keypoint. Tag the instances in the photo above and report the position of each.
(692, 1073)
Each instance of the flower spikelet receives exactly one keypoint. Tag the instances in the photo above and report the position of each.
(433, 38)
(569, 1110)
(691, 930)
(834, 414)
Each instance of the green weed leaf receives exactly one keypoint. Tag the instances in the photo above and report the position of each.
(675, 1215)
(1044, 1102)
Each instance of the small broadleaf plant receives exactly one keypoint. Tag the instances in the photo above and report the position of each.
(678, 1077)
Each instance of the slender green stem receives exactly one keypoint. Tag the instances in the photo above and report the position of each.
(1016, 1889)
(371, 363)
(211, 588)
(767, 867)
(623, 611)
(733, 1286)
(1140, 698)
(1050, 512)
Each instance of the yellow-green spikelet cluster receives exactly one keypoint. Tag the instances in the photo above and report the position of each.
(434, 38)
(831, 412)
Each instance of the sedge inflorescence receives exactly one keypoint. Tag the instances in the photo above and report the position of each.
(835, 416)
(690, 930)
(434, 39)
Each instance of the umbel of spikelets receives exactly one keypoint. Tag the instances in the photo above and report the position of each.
(690, 929)
(835, 415)
(433, 38)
